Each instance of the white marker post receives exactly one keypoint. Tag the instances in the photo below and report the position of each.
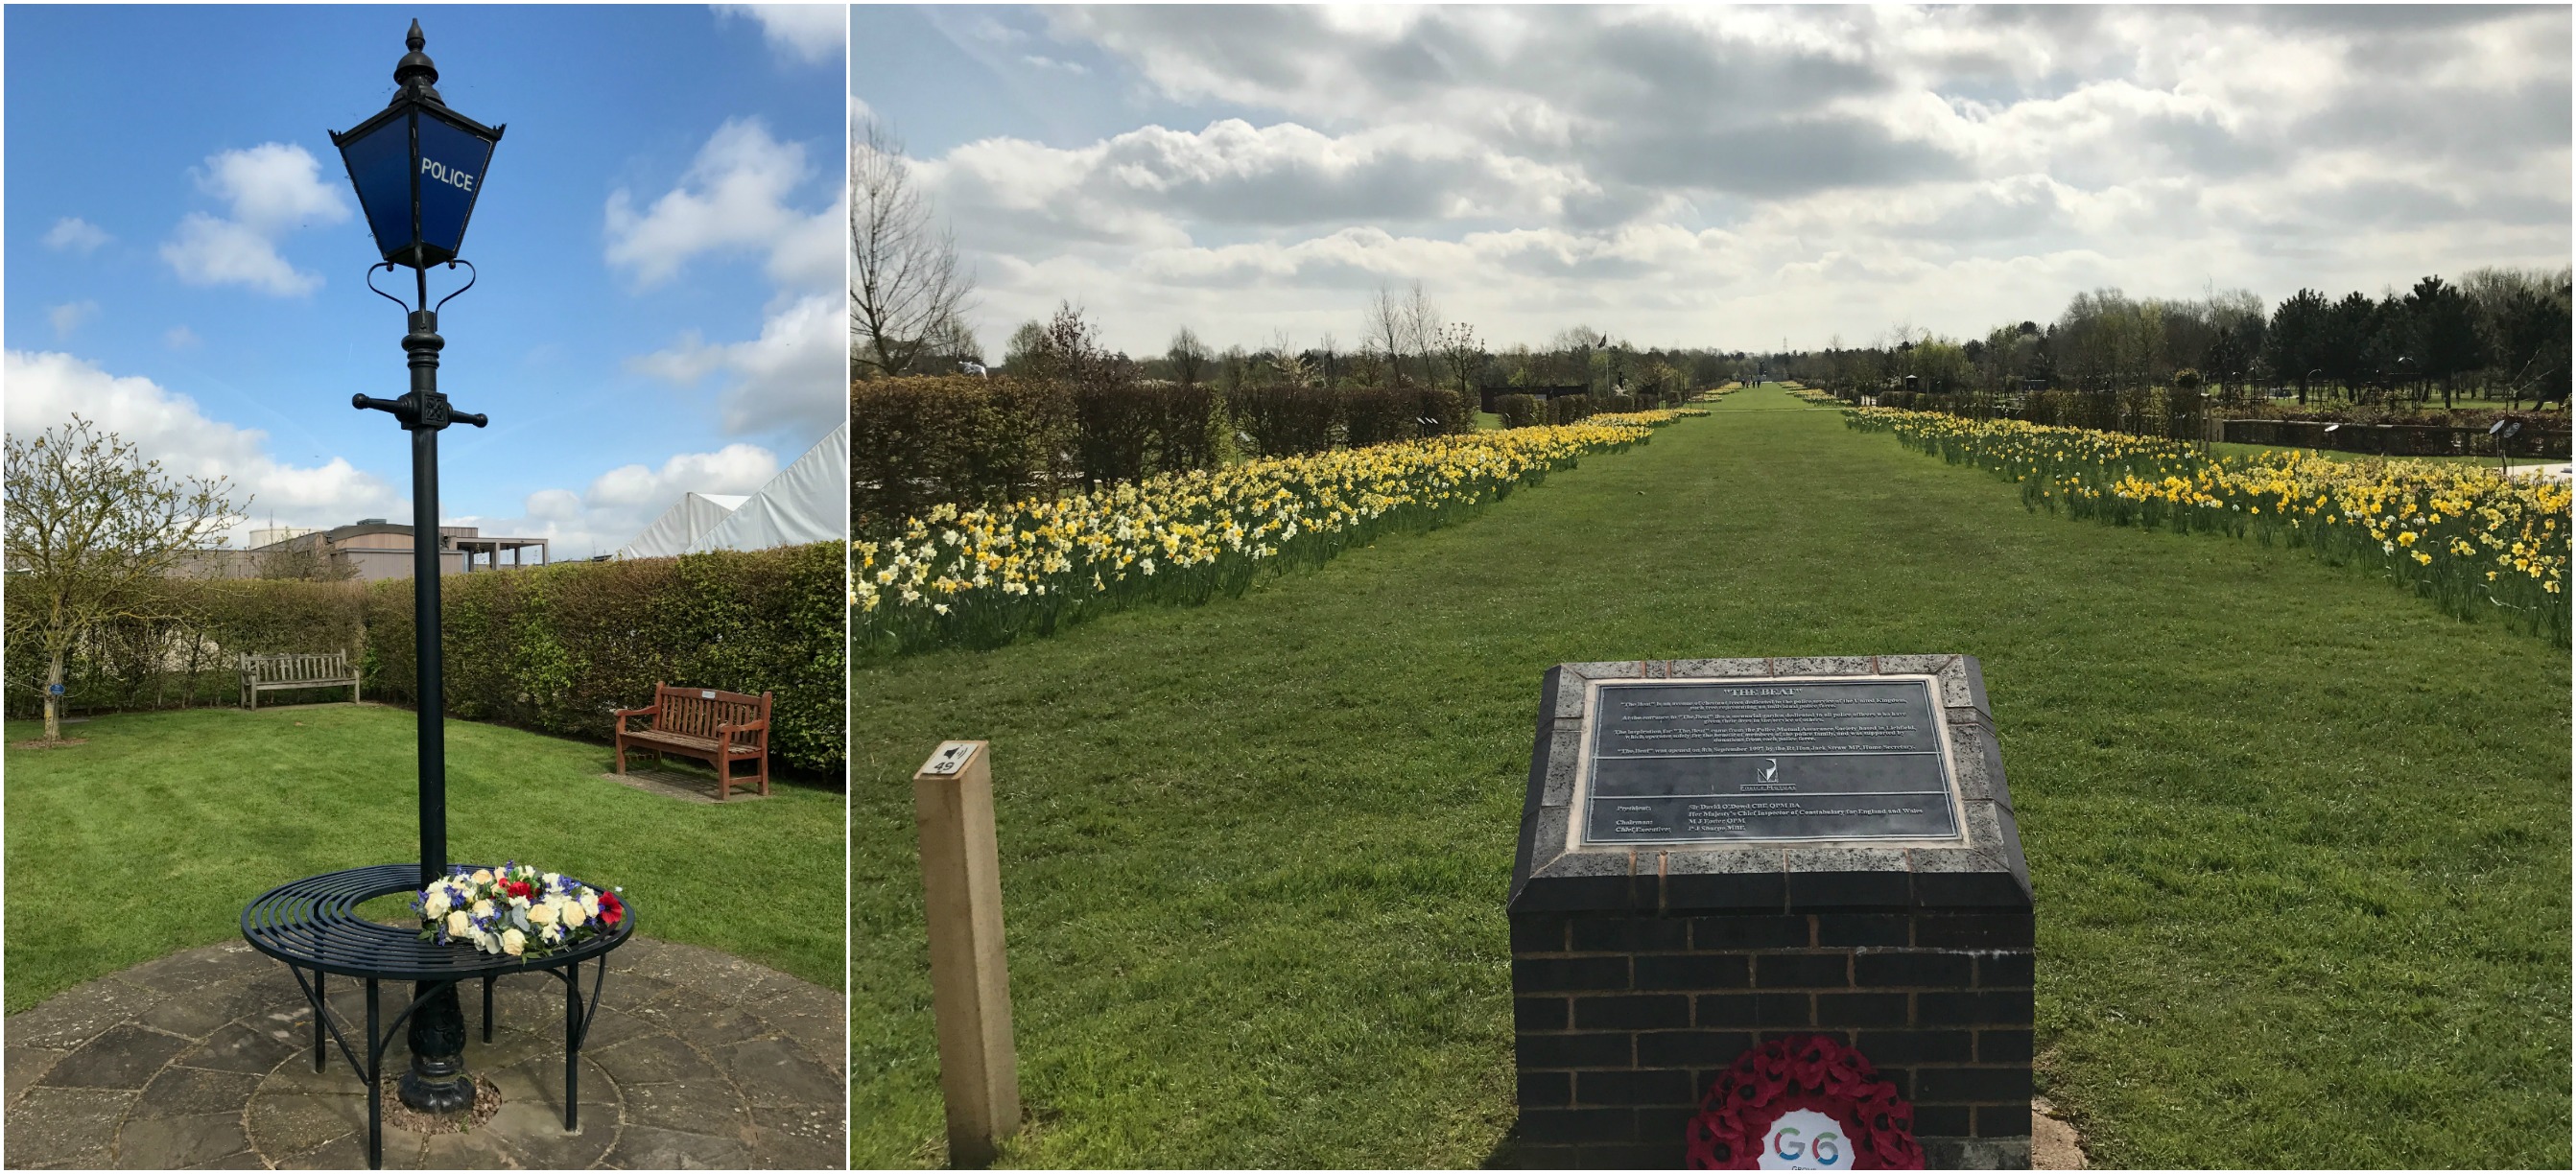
(970, 986)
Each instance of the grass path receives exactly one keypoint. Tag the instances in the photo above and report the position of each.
(151, 837)
(2300, 842)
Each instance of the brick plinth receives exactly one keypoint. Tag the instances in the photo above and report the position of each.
(1639, 974)
(1623, 1022)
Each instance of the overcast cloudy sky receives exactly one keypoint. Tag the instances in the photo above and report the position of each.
(661, 243)
(1727, 176)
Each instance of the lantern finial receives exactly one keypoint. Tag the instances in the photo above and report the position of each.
(415, 73)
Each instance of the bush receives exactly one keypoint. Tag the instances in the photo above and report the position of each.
(1380, 415)
(1451, 413)
(916, 442)
(1566, 409)
(552, 649)
(1517, 411)
(1286, 420)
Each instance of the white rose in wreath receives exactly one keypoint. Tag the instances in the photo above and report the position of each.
(542, 913)
(514, 943)
(574, 915)
(458, 924)
(437, 905)
(482, 876)
(483, 908)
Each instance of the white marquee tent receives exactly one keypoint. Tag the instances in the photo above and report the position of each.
(680, 527)
(809, 502)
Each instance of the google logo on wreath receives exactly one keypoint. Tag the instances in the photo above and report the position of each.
(1803, 1139)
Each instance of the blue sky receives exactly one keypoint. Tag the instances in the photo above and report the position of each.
(1713, 174)
(660, 238)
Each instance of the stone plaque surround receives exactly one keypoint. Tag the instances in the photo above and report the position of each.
(1640, 971)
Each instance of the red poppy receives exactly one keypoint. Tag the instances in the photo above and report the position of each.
(611, 910)
(1764, 1084)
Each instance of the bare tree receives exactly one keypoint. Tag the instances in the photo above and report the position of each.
(1189, 356)
(1463, 357)
(92, 529)
(1422, 333)
(906, 289)
(1385, 335)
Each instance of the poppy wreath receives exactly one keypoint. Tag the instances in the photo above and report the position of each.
(1812, 1072)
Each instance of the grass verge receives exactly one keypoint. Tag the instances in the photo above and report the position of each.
(2300, 843)
(152, 836)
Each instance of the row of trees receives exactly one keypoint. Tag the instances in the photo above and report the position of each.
(2501, 332)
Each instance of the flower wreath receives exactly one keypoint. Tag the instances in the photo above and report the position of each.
(515, 910)
(1811, 1072)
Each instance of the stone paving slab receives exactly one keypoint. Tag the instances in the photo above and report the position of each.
(203, 1059)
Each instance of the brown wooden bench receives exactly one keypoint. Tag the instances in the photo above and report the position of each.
(295, 670)
(710, 725)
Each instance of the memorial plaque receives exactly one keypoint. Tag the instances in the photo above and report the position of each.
(1764, 759)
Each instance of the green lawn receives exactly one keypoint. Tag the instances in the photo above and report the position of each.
(2302, 871)
(151, 837)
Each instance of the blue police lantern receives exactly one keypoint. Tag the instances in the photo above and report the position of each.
(418, 166)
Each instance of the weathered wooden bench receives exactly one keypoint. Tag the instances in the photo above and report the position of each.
(295, 670)
(710, 725)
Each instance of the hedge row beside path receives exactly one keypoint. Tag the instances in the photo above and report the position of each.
(2479, 543)
(553, 649)
(985, 577)
(923, 441)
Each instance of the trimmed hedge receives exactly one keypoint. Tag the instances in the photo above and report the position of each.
(917, 442)
(1285, 421)
(920, 441)
(177, 663)
(552, 649)
(1517, 411)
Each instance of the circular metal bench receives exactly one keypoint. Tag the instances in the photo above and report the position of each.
(313, 925)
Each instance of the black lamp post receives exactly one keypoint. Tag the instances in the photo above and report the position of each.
(418, 167)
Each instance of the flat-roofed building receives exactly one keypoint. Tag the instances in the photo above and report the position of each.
(375, 549)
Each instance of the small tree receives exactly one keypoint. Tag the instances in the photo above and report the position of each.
(1189, 357)
(1464, 359)
(906, 286)
(92, 529)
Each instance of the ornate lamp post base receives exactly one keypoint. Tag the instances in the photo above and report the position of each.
(437, 1081)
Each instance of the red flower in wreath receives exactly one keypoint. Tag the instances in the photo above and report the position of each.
(518, 888)
(1848, 1119)
(611, 910)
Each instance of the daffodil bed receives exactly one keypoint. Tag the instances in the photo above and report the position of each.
(983, 578)
(2480, 544)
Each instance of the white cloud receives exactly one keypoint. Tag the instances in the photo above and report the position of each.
(1728, 174)
(68, 318)
(273, 186)
(734, 200)
(272, 189)
(789, 378)
(621, 502)
(180, 338)
(72, 234)
(811, 33)
(46, 387)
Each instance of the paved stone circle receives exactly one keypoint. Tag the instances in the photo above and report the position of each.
(203, 1059)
